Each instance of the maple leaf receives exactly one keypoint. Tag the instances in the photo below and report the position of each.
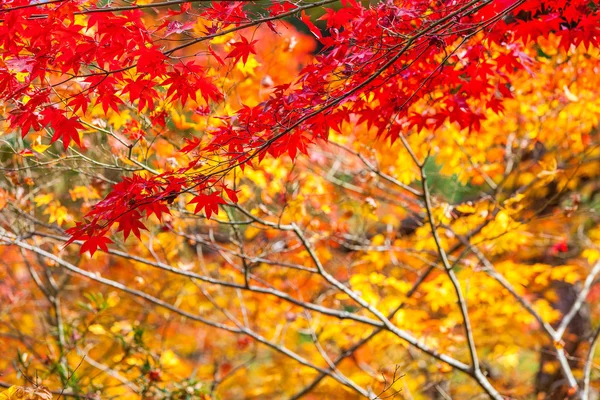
(79, 102)
(143, 89)
(92, 243)
(157, 208)
(208, 202)
(191, 144)
(295, 142)
(130, 222)
(312, 27)
(184, 8)
(242, 50)
(25, 119)
(216, 56)
(232, 194)
(337, 18)
(109, 99)
(65, 128)
(559, 247)
(227, 12)
(186, 80)
(281, 7)
(105, 88)
(179, 86)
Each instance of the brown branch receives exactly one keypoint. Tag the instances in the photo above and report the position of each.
(104, 9)
(587, 285)
(587, 371)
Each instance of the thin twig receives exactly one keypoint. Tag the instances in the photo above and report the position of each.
(587, 370)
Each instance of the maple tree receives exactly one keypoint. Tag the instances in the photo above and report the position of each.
(409, 209)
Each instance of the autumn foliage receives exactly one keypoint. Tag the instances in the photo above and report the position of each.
(300, 199)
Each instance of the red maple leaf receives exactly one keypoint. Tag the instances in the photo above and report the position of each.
(142, 89)
(130, 222)
(79, 102)
(241, 50)
(312, 27)
(216, 56)
(232, 194)
(64, 128)
(150, 61)
(157, 208)
(185, 81)
(280, 8)
(226, 12)
(25, 119)
(92, 243)
(185, 7)
(208, 202)
(191, 144)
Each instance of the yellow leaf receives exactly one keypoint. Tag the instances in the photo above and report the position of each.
(220, 39)
(249, 67)
(550, 367)
(39, 148)
(466, 208)
(251, 232)
(21, 76)
(121, 327)
(133, 361)
(514, 199)
(169, 359)
(29, 393)
(9, 393)
(592, 255)
(43, 199)
(83, 192)
(378, 240)
(180, 121)
(96, 329)
(117, 120)
(58, 213)
(503, 221)
(37, 145)
(546, 311)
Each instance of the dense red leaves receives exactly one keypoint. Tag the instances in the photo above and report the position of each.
(150, 61)
(226, 12)
(187, 80)
(141, 89)
(377, 62)
(121, 206)
(138, 198)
